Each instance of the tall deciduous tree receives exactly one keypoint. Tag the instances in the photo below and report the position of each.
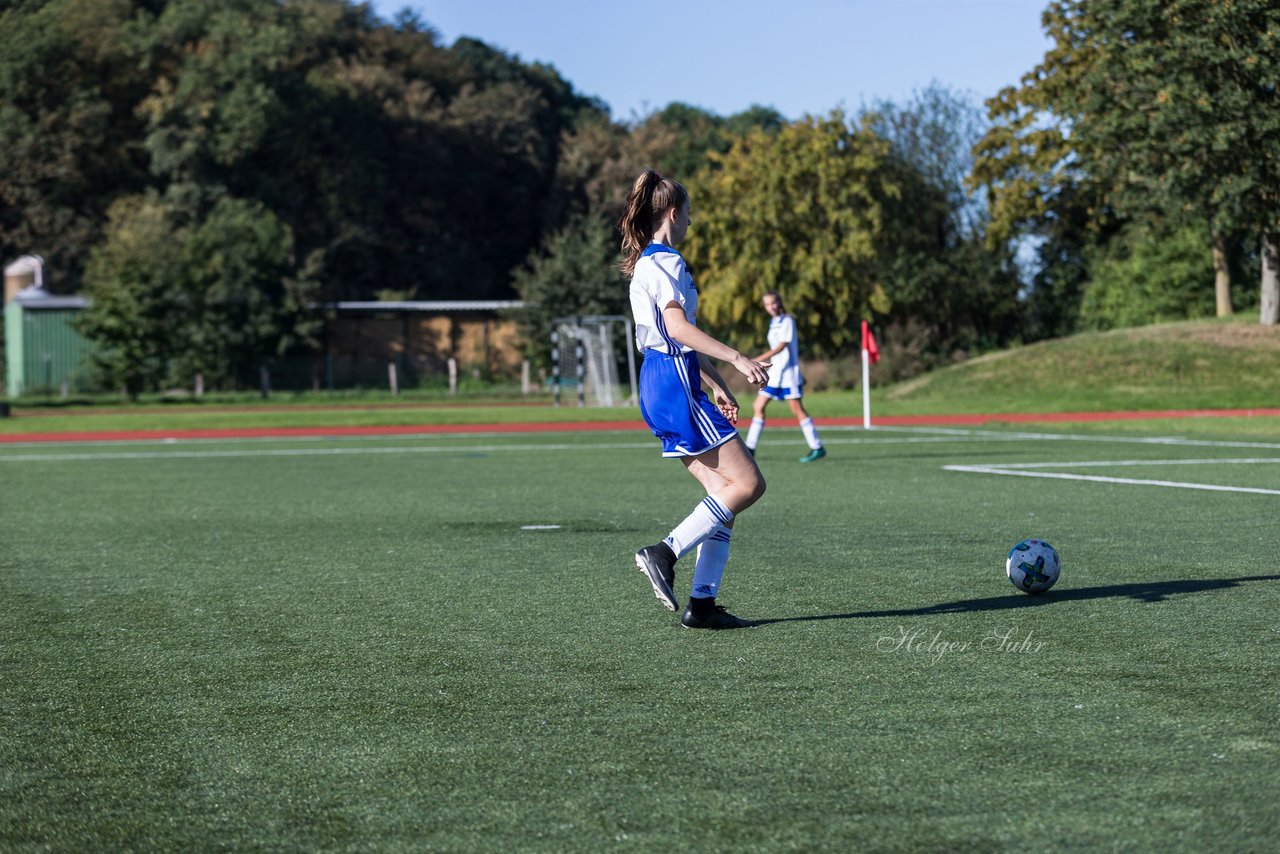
(935, 131)
(173, 296)
(800, 211)
(1042, 191)
(70, 143)
(1184, 109)
(236, 263)
(825, 212)
(135, 279)
(1167, 106)
(575, 273)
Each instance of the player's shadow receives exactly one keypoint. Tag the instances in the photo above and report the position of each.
(1151, 591)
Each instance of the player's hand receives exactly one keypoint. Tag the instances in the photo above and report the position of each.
(727, 404)
(756, 372)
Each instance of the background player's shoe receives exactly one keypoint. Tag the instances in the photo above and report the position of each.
(716, 618)
(815, 454)
(658, 563)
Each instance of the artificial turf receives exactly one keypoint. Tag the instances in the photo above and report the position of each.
(355, 644)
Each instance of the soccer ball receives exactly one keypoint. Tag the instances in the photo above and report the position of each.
(1033, 566)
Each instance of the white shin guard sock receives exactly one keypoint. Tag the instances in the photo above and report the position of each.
(698, 525)
(810, 434)
(713, 554)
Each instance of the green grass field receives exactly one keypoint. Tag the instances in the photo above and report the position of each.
(354, 644)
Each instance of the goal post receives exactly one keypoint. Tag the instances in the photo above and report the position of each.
(593, 356)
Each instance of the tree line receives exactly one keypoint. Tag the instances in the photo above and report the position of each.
(214, 173)
(1143, 154)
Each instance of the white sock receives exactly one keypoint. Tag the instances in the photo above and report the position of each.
(698, 525)
(811, 434)
(713, 554)
(753, 435)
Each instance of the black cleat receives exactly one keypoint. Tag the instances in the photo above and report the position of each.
(658, 563)
(717, 618)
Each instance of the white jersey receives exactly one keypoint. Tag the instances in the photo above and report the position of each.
(784, 372)
(659, 278)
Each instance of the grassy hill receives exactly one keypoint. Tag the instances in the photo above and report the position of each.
(1231, 363)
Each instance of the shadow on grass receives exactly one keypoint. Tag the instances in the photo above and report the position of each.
(1152, 591)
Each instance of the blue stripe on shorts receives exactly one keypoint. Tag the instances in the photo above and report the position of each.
(676, 408)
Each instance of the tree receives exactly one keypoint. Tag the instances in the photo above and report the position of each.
(1148, 277)
(1027, 161)
(942, 277)
(827, 214)
(69, 140)
(600, 158)
(1041, 191)
(697, 134)
(235, 264)
(1168, 107)
(171, 298)
(574, 273)
(935, 132)
(133, 280)
(800, 211)
(1184, 109)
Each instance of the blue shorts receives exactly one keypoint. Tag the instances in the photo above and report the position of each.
(676, 408)
(774, 392)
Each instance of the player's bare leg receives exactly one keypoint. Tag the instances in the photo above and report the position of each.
(730, 474)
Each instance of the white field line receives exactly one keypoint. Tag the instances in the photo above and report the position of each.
(935, 434)
(1026, 470)
(1086, 437)
(1108, 463)
(171, 441)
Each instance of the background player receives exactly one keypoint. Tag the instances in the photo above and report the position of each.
(785, 381)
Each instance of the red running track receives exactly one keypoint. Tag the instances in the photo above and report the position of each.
(569, 426)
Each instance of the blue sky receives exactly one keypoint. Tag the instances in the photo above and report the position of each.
(798, 56)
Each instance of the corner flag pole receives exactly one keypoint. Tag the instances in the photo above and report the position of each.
(870, 355)
(866, 381)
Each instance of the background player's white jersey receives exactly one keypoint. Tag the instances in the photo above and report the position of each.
(660, 277)
(785, 370)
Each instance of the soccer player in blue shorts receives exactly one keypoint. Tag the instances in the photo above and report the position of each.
(785, 381)
(699, 433)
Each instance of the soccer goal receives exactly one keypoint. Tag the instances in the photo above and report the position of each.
(593, 355)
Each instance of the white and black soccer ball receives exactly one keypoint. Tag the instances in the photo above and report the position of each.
(1033, 566)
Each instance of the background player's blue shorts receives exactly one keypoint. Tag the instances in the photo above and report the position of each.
(676, 408)
(774, 392)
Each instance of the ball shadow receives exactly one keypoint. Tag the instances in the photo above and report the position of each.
(1151, 591)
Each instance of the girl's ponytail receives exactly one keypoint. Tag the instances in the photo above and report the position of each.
(651, 196)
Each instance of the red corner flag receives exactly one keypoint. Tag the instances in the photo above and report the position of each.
(869, 344)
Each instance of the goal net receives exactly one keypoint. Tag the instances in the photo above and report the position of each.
(593, 360)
